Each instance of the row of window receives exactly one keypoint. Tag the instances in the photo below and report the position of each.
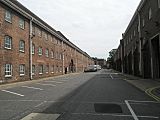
(8, 18)
(41, 69)
(8, 45)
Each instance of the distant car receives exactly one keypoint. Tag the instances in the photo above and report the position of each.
(91, 68)
(98, 67)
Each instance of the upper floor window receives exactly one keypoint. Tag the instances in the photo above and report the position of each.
(39, 32)
(21, 70)
(47, 53)
(158, 3)
(46, 36)
(40, 51)
(52, 54)
(8, 70)
(21, 23)
(150, 13)
(143, 22)
(33, 49)
(8, 42)
(21, 46)
(8, 16)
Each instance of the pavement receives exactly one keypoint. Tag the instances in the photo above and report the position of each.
(149, 86)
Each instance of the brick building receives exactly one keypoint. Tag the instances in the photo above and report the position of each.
(31, 49)
(139, 49)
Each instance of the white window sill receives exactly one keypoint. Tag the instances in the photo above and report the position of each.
(21, 51)
(8, 76)
(52, 72)
(8, 21)
(7, 48)
(40, 73)
(46, 72)
(22, 74)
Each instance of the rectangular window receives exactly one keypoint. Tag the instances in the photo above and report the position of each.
(40, 51)
(47, 53)
(150, 13)
(21, 70)
(52, 54)
(21, 23)
(46, 36)
(158, 3)
(21, 46)
(8, 42)
(40, 69)
(52, 69)
(33, 69)
(47, 68)
(8, 70)
(8, 16)
(33, 49)
(39, 32)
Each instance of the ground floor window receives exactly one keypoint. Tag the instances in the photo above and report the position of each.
(40, 69)
(22, 70)
(33, 69)
(8, 70)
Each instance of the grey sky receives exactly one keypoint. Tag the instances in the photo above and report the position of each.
(95, 26)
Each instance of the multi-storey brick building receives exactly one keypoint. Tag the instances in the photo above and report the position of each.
(31, 49)
(140, 44)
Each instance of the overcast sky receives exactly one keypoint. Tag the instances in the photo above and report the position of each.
(95, 26)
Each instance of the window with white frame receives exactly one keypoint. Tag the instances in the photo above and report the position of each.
(22, 70)
(52, 69)
(40, 51)
(47, 53)
(33, 49)
(52, 54)
(21, 23)
(143, 22)
(40, 69)
(21, 46)
(33, 69)
(8, 42)
(8, 70)
(150, 13)
(158, 3)
(47, 68)
(8, 16)
(46, 36)
(39, 32)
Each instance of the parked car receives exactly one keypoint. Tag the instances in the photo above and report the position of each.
(99, 67)
(91, 68)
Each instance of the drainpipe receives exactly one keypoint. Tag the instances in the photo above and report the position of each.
(30, 39)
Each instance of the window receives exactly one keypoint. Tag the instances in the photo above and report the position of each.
(150, 13)
(134, 33)
(8, 42)
(40, 51)
(52, 54)
(47, 53)
(8, 70)
(33, 49)
(22, 70)
(8, 16)
(33, 69)
(158, 3)
(46, 36)
(21, 23)
(39, 32)
(47, 68)
(143, 22)
(40, 69)
(52, 69)
(21, 46)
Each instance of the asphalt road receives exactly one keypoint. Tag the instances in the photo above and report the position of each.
(102, 95)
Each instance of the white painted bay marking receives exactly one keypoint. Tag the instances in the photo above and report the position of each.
(111, 76)
(46, 84)
(53, 82)
(12, 93)
(41, 104)
(32, 87)
(131, 110)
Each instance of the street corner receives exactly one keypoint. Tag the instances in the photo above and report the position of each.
(154, 93)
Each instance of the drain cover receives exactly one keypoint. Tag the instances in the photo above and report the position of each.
(107, 108)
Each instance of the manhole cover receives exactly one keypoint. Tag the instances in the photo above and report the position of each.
(107, 108)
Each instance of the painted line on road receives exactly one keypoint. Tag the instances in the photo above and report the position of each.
(32, 87)
(46, 84)
(111, 76)
(115, 115)
(143, 101)
(53, 82)
(131, 110)
(12, 93)
(149, 92)
(40, 104)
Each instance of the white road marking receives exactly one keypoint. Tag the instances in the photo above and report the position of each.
(53, 82)
(12, 93)
(144, 101)
(32, 87)
(46, 84)
(111, 76)
(40, 104)
(131, 110)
